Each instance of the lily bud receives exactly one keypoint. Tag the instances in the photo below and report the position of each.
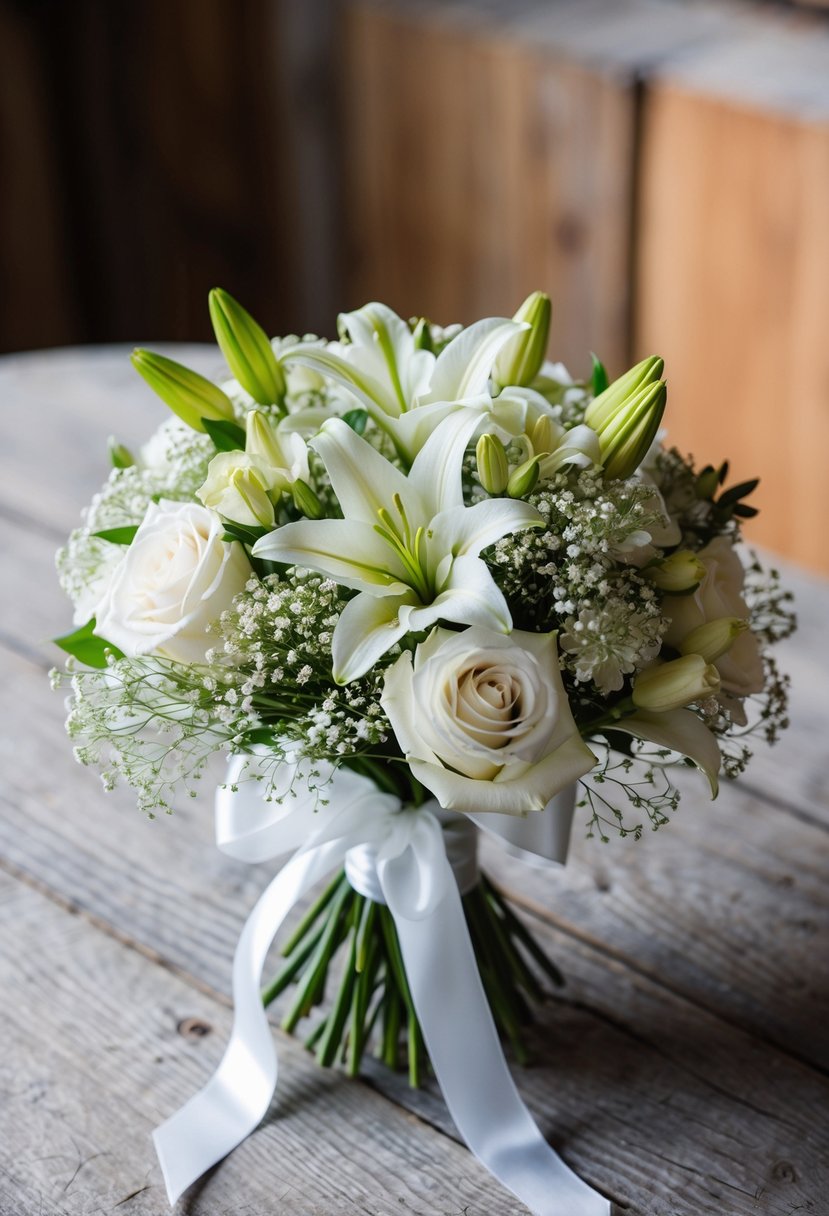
(519, 360)
(602, 408)
(493, 470)
(306, 500)
(262, 442)
(626, 439)
(714, 638)
(678, 573)
(121, 457)
(236, 489)
(246, 347)
(543, 435)
(524, 479)
(254, 496)
(672, 685)
(188, 394)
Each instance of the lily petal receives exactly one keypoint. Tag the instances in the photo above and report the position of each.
(383, 344)
(363, 480)
(681, 731)
(348, 551)
(367, 628)
(579, 446)
(377, 399)
(470, 597)
(436, 473)
(413, 429)
(463, 368)
(468, 530)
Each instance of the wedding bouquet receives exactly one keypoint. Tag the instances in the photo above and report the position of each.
(416, 582)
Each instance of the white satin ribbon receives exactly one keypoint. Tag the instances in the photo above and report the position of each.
(419, 887)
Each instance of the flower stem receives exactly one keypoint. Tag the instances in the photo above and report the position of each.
(372, 982)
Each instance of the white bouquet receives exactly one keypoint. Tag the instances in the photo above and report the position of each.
(416, 581)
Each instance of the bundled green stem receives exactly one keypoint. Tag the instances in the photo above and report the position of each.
(372, 1002)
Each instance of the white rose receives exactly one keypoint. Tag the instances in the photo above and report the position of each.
(720, 594)
(483, 720)
(176, 577)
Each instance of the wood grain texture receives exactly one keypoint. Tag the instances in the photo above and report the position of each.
(100, 1044)
(679, 1070)
(468, 181)
(733, 283)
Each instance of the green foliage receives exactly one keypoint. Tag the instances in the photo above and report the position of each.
(84, 646)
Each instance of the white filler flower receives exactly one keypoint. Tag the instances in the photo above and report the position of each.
(407, 544)
(483, 720)
(176, 577)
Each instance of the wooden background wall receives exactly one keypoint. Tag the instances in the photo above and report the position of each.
(660, 167)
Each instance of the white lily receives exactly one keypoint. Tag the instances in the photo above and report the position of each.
(406, 391)
(408, 545)
(682, 731)
(523, 414)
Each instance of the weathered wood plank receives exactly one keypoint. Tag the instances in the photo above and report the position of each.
(614, 1051)
(96, 1053)
(732, 266)
(68, 402)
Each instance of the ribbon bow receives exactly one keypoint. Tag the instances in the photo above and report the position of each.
(419, 887)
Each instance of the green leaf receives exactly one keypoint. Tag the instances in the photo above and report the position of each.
(744, 511)
(599, 375)
(227, 436)
(737, 492)
(118, 536)
(84, 646)
(248, 536)
(357, 420)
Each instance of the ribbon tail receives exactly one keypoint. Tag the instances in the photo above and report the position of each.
(239, 1093)
(466, 1054)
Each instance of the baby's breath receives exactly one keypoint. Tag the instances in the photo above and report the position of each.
(569, 576)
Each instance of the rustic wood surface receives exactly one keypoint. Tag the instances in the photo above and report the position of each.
(682, 1070)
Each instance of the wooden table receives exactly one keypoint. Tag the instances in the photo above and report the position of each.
(682, 1070)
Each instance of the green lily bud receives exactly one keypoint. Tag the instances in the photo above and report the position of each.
(247, 349)
(121, 457)
(543, 436)
(306, 500)
(678, 573)
(705, 486)
(254, 497)
(261, 440)
(626, 439)
(672, 685)
(493, 470)
(524, 479)
(714, 638)
(602, 408)
(519, 360)
(188, 394)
